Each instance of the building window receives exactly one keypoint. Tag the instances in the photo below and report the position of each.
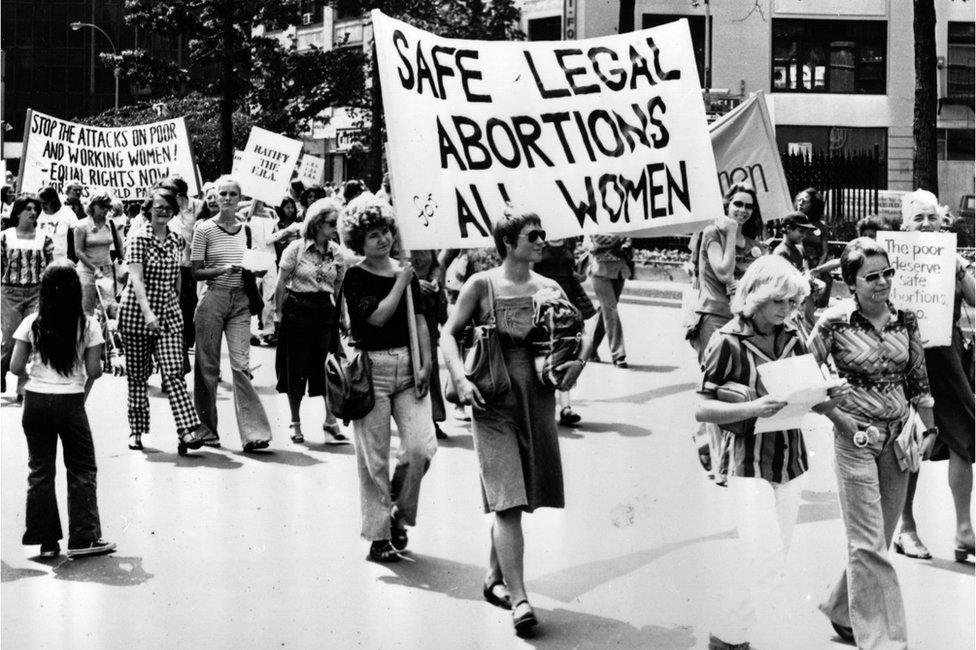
(696, 25)
(829, 56)
(549, 28)
(960, 60)
(956, 144)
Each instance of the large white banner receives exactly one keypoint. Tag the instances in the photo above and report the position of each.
(267, 165)
(127, 160)
(925, 279)
(595, 136)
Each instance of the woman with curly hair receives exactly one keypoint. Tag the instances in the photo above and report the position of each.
(60, 350)
(375, 290)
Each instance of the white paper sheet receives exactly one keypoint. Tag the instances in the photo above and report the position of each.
(257, 260)
(799, 382)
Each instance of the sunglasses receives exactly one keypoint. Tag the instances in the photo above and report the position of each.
(740, 204)
(330, 222)
(162, 209)
(887, 274)
(535, 236)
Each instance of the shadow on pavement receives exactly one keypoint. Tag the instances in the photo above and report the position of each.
(563, 628)
(964, 568)
(281, 456)
(454, 579)
(571, 583)
(195, 458)
(624, 430)
(9, 573)
(655, 393)
(105, 569)
(640, 367)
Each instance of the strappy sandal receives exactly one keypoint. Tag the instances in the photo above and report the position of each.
(492, 597)
(189, 440)
(135, 441)
(524, 623)
(398, 535)
(383, 551)
(296, 432)
(568, 417)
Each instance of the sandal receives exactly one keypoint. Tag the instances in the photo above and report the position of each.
(908, 544)
(398, 535)
(296, 433)
(382, 551)
(189, 440)
(135, 441)
(211, 440)
(526, 621)
(491, 596)
(568, 417)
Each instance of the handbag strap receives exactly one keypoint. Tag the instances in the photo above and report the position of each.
(491, 299)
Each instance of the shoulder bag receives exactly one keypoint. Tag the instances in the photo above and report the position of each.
(254, 301)
(484, 364)
(349, 381)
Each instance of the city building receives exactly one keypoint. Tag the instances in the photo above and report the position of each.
(839, 73)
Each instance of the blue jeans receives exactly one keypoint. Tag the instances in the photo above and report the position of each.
(47, 417)
(379, 495)
(16, 304)
(872, 488)
(221, 312)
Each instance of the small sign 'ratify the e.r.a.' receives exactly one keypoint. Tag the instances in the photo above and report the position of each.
(924, 281)
(267, 165)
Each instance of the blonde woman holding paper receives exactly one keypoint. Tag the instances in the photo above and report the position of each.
(878, 349)
(953, 395)
(764, 468)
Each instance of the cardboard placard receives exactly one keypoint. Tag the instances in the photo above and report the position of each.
(267, 166)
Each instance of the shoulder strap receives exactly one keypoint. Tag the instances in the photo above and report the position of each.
(491, 298)
(247, 235)
(116, 240)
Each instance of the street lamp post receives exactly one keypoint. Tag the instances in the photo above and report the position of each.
(76, 26)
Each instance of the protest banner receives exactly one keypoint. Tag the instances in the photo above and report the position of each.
(595, 136)
(237, 166)
(925, 279)
(126, 160)
(311, 170)
(267, 166)
(744, 143)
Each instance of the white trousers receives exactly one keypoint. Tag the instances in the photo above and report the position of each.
(765, 514)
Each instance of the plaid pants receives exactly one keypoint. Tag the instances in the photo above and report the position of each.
(167, 349)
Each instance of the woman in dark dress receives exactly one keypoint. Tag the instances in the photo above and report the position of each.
(559, 263)
(816, 241)
(514, 433)
(953, 396)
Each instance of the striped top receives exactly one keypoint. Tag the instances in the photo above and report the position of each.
(215, 247)
(22, 261)
(886, 369)
(776, 456)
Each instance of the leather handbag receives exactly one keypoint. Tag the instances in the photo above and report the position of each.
(484, 364)
(255, 303)
(349, 385)
(736, 393)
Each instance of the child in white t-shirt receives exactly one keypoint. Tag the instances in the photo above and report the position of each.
(59, 349)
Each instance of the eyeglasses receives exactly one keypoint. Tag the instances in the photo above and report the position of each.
(535, 236)
(162, 209)
(887, 274)
(740, 204)
(330, 222)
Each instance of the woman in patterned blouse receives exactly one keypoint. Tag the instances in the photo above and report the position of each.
(311, 270)
(877, 348)
(152, 325)
(25, 251)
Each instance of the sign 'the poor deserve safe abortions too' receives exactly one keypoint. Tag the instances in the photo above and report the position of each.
(595, 136)
(127, 160)
(925, 280)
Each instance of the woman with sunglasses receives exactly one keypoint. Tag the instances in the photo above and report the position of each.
(953, 396)
(311, 271)
(514, 433)
(151, 323)
(878, 349)
(721, 256)
(94, 237)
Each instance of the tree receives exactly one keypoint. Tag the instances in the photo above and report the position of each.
(281, 88)
(203, 126)
(925, 163)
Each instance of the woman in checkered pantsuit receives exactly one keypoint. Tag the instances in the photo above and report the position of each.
(151, 324)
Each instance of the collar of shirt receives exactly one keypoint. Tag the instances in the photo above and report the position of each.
(855, 317)
(742, 327)
(146, 233)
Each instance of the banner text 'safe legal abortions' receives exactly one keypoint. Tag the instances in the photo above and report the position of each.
(600, 135)
(126, 160)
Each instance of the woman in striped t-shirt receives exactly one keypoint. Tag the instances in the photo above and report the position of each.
(764, 468)
(218, 247)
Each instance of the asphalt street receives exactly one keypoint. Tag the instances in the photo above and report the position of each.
(221, 549)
